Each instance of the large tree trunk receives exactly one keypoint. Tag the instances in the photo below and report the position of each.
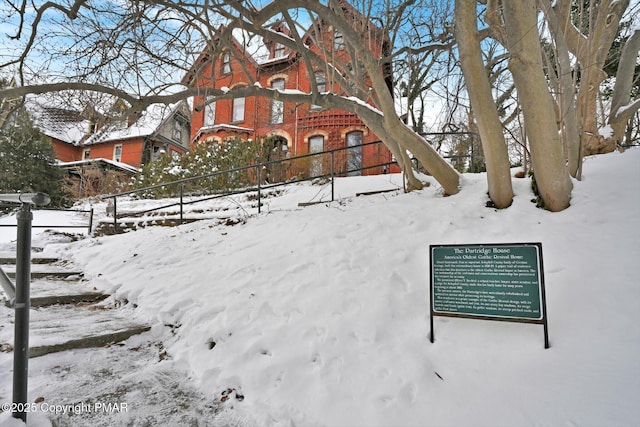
(621, 108)
(566, 96)
(591, 46)
(400, 138)
(479, 90)
(547, 154)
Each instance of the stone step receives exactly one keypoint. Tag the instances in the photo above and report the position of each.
(52, 274)
(88, 297)
(50, 292)
(65, 327)
(11, 260)
(89, 341)
(45, 301)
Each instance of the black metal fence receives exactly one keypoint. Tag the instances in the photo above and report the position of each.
(89, 225)
(258, 178)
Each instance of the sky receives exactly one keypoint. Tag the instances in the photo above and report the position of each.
(319, 316)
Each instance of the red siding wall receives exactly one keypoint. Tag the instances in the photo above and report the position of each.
(131, 151)
(66, 152)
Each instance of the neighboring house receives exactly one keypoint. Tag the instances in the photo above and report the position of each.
(301, 129)
(88, 134)
(102, 150)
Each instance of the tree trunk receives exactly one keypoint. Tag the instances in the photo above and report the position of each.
(592, 54)
(621, 108)
(479, 90)
(547, 156)
(566, 96)
(400, 138)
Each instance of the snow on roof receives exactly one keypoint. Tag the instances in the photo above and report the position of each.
(252, 43)
(62, 122)
(147, 124)
(256, 48)
(69, 123)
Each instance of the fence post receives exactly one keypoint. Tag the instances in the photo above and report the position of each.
(332, 176)
(258, 174)
(90, 222)
(22, 305)
(181, 211)
(115, 216)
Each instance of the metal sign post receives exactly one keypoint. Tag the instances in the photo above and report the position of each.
(22, 297)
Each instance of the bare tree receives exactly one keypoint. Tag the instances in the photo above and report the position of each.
(557, 92)
(547, 155)
(484, 108)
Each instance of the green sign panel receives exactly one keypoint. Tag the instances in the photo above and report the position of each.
(496, 281)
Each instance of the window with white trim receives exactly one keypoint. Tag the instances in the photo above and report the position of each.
(209, 113)
(321, 84)
(177, 130)
(117, 153)
(226, 63)
(279, 50)
(238, 110)
(277, 107)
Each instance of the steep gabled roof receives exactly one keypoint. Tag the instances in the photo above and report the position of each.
(149, 122)
(251, 46)
(62, 122)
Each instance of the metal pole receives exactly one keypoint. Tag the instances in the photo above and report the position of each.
(332, 176)
(181, 194)
(90, 222)
(115, 217)
(259, 178)
(22, 303)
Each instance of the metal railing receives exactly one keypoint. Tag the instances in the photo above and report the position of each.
(325, 164)
(89, 225)
(21, 296)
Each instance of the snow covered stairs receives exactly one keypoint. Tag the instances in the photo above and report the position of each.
(65, 312)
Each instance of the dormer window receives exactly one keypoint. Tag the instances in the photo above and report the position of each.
(279, 50)
(226, 63)
(177, 130)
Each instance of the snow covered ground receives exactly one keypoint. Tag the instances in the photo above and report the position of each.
(319, 316)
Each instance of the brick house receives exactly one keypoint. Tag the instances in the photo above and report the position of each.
(300, 128)
(87, 134)
(101, 149)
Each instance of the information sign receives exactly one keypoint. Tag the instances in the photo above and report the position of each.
(502, 281)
